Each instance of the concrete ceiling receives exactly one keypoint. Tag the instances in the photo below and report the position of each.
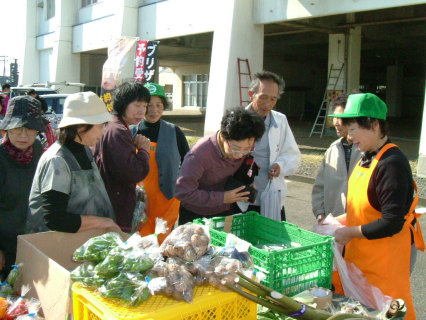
(389, 36)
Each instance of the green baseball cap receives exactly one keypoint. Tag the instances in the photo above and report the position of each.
(364, 105)
(155, 90)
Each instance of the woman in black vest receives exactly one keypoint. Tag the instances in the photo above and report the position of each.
(19, 155)
(167, 150)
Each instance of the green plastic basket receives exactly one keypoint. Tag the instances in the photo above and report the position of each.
(306, 262)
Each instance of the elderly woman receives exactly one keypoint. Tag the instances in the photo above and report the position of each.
(168, 148)
(19, 155)
(207, 167)
(68, 194)
(123, 160)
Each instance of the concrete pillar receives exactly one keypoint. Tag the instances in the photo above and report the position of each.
(394, 79)
(235, 36)
(336, 59)
(353, 63)
(65, 64)
(127, 18)
(343, 49)
(30, 59)
(421, 163)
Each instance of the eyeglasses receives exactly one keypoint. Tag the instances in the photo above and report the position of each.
(243, 152)
(21, 130)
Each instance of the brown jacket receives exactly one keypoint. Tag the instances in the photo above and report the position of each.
(121, 167)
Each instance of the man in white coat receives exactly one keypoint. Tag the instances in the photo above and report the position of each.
(331, 184)
(276, 153)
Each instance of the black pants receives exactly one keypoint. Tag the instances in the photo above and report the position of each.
(186, 215)
(257, 209)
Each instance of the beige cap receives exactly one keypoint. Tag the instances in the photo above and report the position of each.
(84, 108)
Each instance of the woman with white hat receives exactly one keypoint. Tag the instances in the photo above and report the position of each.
(68, 193)
(20, 152)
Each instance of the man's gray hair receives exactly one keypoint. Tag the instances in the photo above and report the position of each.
(267, 75)
(339, 101)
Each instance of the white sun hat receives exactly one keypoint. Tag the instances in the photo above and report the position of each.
(84, 108)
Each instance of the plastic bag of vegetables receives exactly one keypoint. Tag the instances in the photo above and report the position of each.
(14, 274)
(110, 266)
(222, 270)
(139, 214)
(180, 283)
(96, 249)
(131, 288)
(188, 242)
(87, 275)
(234, 253)
(6, 290)
(127, 259)
(149, 242)
(197, 268)
(139, 261)
(33, 306)
(7, 287)
(19, 306)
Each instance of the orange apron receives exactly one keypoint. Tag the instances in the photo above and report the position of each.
(157, 204)
(385, 262)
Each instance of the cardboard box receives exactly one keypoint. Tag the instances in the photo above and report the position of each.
(47, 259)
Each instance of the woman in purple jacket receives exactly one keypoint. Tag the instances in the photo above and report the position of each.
(207, 167)
(123, 160)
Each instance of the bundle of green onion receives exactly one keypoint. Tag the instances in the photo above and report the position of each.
(284, 305)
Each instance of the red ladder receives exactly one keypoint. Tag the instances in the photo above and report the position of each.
(240, 74)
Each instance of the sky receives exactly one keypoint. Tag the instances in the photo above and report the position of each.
(12, 32)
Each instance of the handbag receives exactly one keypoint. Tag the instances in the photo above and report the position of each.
(244, 176)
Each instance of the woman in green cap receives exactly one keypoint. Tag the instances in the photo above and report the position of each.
(20, 152)
(168, 148)
(380, 223)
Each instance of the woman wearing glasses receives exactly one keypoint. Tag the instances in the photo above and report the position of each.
(19, 155)
(206, 168)
(168, 147)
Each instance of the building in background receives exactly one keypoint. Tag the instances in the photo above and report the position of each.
(13, 75)
(380, 46)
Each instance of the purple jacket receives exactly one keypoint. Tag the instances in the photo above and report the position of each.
(204, 171)
(121, 168)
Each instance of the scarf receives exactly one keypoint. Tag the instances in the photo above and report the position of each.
(50, 135)
(21, 156)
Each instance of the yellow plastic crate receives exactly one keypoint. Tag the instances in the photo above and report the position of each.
(208, 304)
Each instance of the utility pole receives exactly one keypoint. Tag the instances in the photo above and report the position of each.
(4, 60)
(3, 77)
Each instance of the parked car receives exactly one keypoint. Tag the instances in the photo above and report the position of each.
(55, 107)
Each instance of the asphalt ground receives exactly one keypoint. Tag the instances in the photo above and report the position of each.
(299, 212)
